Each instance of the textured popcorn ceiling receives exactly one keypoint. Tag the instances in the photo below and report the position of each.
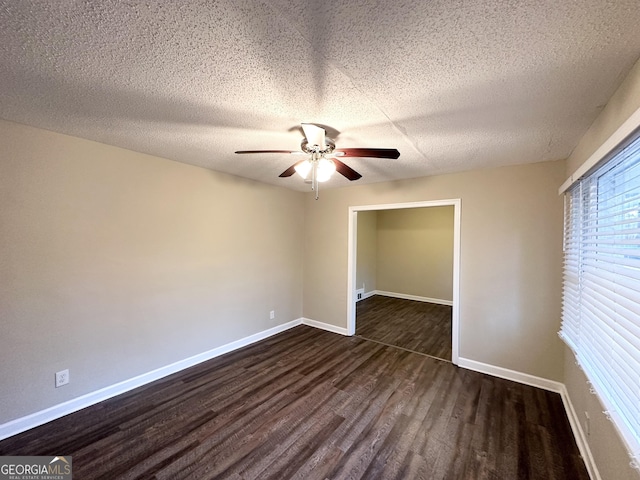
(454, 85)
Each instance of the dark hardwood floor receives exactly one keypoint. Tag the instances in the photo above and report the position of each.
(417, 326)
(309, 404)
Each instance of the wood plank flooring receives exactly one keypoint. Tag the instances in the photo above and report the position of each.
(417, 326)
(309, 404)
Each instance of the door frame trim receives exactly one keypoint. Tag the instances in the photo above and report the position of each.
(352, 253)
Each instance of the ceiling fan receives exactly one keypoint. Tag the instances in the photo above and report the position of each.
(322, 158)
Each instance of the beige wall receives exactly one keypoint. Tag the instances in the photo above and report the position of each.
(367, 249)
(511, 257)
(114, 263)
(609, 454)
(415, 252)
(605, 444)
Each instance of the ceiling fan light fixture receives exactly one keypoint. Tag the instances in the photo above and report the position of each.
(326, 168)
(303, 168)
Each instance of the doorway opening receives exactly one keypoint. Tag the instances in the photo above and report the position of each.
(355, 292)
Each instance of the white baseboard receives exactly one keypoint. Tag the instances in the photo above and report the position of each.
(507, 374)
(325, 326)
(368, 294)
(405, 296)
(579, 435)
(22, 424)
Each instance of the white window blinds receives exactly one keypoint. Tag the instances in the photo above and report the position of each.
(601, 294)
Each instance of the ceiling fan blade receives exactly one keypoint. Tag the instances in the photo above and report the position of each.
(291, 170)
(268, 151)
(346, 170)
(315, 135)
(368, 152)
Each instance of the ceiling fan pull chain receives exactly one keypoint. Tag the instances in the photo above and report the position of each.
(314, 183)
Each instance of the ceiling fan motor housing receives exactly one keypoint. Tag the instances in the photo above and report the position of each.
(329, 146)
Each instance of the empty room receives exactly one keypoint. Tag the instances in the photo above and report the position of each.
(200, 202)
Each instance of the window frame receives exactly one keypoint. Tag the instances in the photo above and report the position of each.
(594, 310)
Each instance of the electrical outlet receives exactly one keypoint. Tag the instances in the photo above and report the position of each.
(62, 378)
(272, 314)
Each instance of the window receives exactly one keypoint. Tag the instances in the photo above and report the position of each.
(601, 293)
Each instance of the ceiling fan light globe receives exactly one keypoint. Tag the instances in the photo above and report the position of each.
(303, 169)
(326, 168)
